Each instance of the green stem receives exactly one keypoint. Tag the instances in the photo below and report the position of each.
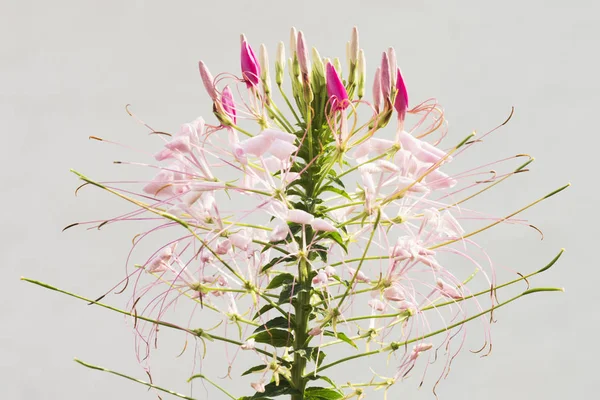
(150, 385)
(202, 376)
(447, 328)
(289, 104)
(194, 332)
(302, 310)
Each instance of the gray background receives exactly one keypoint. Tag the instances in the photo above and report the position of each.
(68, 68)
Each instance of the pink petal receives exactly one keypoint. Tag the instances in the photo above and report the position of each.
(275, 134)
(319, 224)
(299, 217)
(336, 90)
(250, 65)
(257, 145)
(282, 149)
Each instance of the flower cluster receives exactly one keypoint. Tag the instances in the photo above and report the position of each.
(339, 221)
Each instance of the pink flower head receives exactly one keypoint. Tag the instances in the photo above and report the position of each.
(401, 102)
(418, 349)
(321, 278)
(250, 65)
(448, 290)
(228, 104)
(377, 305)
(258, 386)
(336, 90)
(315, 331)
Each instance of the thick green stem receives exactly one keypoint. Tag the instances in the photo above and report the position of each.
(302, 313)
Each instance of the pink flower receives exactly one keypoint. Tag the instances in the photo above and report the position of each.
(377, 305)
(418, 349)
(448, 290)
(258, 386)
(393, 293)
(360, 277)
(321, 278)
(336, 90)
(315, 331)
(248, 345)
(250, 65)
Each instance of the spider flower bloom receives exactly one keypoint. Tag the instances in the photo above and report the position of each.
(308, 224)
(250, 65)
(336, 90)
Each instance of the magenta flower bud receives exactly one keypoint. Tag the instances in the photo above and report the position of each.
(401, 102)
(250, 65)
(336, 90)
(386, 76)
(208, 81)
(228, 104)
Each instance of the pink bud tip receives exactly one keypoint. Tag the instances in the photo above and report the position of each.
(250, 66)
(228, 104)
(401, 102)
(207, 80)
(336, 90)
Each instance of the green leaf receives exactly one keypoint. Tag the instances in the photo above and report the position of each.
(274, 337)
(262, 311)
(277, 322)
(271, 263)
(280, 280)
(336, 190)
(319, 393)
(336, 238)
(317, 356)
(289, 291)
(271, 390)
(342, 336)
(256, 368)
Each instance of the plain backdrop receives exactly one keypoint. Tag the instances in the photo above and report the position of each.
(68, 68)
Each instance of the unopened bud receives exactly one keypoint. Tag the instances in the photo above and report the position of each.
(293, 41)
(303, 57)
(337, 65)
(318, 69)
(208, 81)
(264, 69)
(386, 80)
(391, 53)
(361, 70)
(280, 63)
(249, 63)
(377, 95)
(354, 45)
